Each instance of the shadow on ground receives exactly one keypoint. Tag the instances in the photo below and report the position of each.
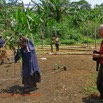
(16, 89)
(92, 100)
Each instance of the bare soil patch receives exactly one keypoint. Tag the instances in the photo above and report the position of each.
(58, 85)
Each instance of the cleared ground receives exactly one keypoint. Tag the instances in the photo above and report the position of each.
(75, 84)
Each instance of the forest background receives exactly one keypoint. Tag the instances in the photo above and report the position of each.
(74, 22)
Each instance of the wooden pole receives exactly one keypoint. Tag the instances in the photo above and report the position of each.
(51, 40)
(9, 38)
(95, 38)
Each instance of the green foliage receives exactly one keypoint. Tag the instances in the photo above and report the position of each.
(47, 41)
(88, 40)
(71, 23)
(76, 37)
(68, 42)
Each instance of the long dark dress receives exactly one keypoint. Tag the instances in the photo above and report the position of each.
(30, 68)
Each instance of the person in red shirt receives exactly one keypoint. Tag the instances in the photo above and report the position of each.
(100, 56)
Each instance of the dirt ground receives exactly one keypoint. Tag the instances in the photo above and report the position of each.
(65, 79)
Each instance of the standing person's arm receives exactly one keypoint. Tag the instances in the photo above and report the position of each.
(24, 38)
(16, 55)
(21, 37)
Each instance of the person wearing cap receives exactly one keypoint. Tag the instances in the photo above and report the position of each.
(30, 68)
(100, 56)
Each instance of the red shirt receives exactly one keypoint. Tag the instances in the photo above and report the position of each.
(101, 52)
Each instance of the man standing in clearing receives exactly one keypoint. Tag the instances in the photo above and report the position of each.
(56, 40)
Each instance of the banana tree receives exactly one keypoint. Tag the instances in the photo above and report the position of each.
(48, 11)
(4, 14)
(5, 19)
(97, 16)
(81, 16)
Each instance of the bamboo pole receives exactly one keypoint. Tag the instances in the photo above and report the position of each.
(71, 53)
(9, 39)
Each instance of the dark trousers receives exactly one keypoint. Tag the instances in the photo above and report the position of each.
(57, 47)
(100, 80)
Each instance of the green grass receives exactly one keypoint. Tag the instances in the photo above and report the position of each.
(91, 87)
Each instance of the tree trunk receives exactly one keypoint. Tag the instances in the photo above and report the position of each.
(95, 38)
(42, 37)
(83, 35)
(51, 40)
(87, 39)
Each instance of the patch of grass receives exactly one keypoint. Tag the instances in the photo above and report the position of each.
(91, 87)
(55, 66)
(90, 90)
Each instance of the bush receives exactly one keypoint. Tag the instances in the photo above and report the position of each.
(76, 37)
(47, 41)
(88, 41)
(68, 42)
